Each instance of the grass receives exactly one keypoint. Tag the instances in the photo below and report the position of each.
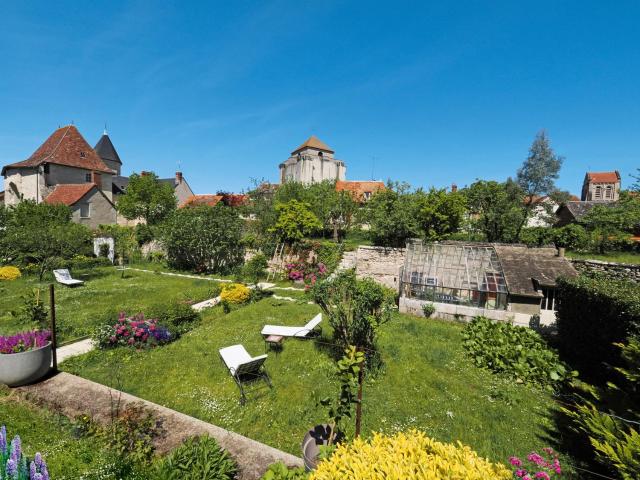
(68, 456)
(426, 382)
(79, 310)
(617, 257)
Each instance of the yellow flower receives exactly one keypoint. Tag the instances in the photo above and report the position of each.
(235, 293)
(9, 273)
(406, 455)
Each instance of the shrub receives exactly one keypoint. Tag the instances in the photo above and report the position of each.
(545, 466)
(143, 233)
(406, 455)
(536, 236)
(572, 236)
(428, 309)
(176, 315)
(279, 471)
(329, 254)
(132, 332)
(594, 314)
(9, 273)
(198, 458)
(307, 272)
(516, 352)
(33, 310)
(25, 341)
(255, 268)
(235, 293)
(14, 465)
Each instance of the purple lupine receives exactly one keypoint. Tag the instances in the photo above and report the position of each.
(3, 440)
(16, 449)
(32, 470)
(38, 460)
(44, 471)
(37, 476)
(12, 468)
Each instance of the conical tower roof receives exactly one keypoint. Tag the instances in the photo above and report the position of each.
(106, 150)
(313, 142)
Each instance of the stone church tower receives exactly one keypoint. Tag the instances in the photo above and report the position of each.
(312, 162)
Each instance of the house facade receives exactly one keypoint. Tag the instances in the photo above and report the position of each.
(89, 205)
(312, 162)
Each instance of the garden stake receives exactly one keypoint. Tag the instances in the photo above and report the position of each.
(54, 342)
(359, 404)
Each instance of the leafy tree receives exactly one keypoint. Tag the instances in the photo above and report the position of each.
(148, 198)
(440, 213)
(40, 233)
(342, 214)
(392, 216)
(204, 238)
(496, 209)
(612, 222)
(636, 186)
(295, 221)
(537, 175)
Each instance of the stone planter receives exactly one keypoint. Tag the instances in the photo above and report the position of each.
(312, 441)
(22, 368)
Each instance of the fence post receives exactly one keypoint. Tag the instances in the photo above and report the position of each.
(54, 341)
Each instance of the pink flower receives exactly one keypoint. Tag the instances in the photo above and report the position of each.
(131, 341)
(535, 458)
(520, 473)
(515, 461)
(543, 475)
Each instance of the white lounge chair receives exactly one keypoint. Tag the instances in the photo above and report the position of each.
(64, 277)
(243, 367)
(298, 332)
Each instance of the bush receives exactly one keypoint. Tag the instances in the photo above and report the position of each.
(279, 471)
(572, 236)
(132, 332)
(177, 316)
(33, 311)
(329, 254)
(255, 268)
(144, 233)
(9, 273)
(428, 309)
(235, 293)
(198, 458)
(536, 236)
(516, 352)
(406, 455)
(594, 314)
(306, 272)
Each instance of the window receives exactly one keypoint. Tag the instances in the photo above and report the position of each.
(608, 192)
(85, 210)
(598, 192)
(87, 177)
(367, 195)
(548, 302)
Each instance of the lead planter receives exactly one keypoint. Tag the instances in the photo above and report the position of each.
(313, 440)
(22, 368)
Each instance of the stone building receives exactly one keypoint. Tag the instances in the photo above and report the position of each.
(311, 162)
(601, 186)
(89, 205)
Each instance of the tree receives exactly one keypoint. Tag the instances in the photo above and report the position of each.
(636, 186)
(496, 209)
(440, 213)
(295, 221)
(391, 215)
(611, 223)
(537, 175)
(342, 213)
(41, 233)
(204, 238)
(146, 197)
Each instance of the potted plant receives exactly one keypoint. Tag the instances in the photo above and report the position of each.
(24, 357)
(338, 408)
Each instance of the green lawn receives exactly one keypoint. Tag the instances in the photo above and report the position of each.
(68, 456)
(618, 257)
(79, 310)
(426, 383)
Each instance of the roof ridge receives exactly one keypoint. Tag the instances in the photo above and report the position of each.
(53, 150)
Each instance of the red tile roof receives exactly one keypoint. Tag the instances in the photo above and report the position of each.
(65, 146)
(603, 177)
(358, 189)
(198, 200)
(313, 142)
(235, 199)
(69, 194)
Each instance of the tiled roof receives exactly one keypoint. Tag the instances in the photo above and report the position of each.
(198, 200)
(235, 199)
(603, 177)
(580, 209)
(358, 189)
(105, 149)
(65, 146)
(69, 194)
(313, 142)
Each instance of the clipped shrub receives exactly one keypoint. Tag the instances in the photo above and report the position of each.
(198, 458)
(594, 314)
(407, 455)
(428, 309)
(516, 352)
(235, 293)
(279, 471)
(9, 273)
(176, 315)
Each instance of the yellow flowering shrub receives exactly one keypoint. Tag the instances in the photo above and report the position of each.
(235, 293)
(9, 273)
(406, 455)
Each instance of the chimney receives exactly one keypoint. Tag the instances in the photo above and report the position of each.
(96, 179)
(178, 177)
(454, 188)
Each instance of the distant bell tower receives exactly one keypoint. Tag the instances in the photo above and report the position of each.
(312, 162)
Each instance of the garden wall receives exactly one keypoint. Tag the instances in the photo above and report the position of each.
(384, 265)
(613, 270)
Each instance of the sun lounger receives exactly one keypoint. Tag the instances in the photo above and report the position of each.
(298, 332)
(243, 367)
(64, 277)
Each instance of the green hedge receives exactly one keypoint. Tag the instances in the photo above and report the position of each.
(593, 314)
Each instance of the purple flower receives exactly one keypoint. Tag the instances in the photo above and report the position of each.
(23, 341)
(3, 440)
(16, 448)
(12, 468)
(32, 470)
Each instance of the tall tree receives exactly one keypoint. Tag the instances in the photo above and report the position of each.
(440, 213)
(613, 222)
(295, 221)
(538, 174)
(391, 215)
(148, 198)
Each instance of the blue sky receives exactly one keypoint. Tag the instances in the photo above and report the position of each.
(425, 92)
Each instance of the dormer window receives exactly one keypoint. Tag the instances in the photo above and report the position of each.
(82, 154)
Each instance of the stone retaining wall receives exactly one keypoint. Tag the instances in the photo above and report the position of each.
(382, 264)
(610, 269)
(73, 396)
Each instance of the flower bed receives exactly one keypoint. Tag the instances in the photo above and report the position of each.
(537, 466)
(16, 466)
(133, 331)
(24, 341)
(306, 272)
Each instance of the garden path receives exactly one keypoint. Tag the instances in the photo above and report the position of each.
(73, 349)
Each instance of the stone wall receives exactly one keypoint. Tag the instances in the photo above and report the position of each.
(382, 264)
(612, 270)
